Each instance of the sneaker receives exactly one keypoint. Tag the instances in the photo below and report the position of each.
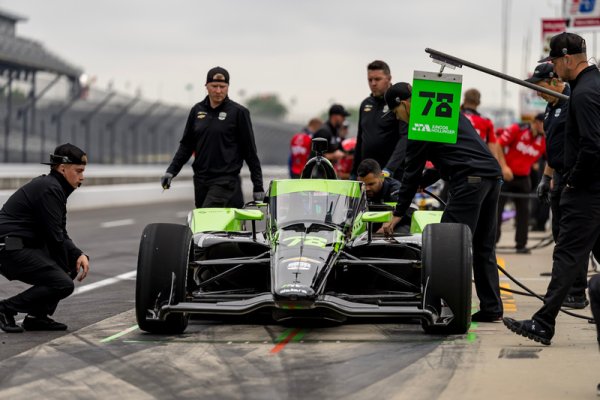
(481, 316)
(577, 302)
(530, 329)
(8, 324)
(45, 323)
(523, 250)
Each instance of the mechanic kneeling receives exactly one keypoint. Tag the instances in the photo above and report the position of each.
(35, 246)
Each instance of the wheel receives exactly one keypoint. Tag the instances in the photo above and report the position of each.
(447, 259)
(163, 260)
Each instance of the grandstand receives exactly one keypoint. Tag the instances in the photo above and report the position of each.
(44, 101)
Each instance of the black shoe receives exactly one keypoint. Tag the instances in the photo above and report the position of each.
(523, 250)
(577, 302)
(45, 323)
(530, 329)
(8, 324)
(481, 316)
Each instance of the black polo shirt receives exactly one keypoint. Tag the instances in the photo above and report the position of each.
(555, 120)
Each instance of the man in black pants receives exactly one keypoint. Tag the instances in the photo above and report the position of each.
(219, 132)
(525, 145)
(579, 206)
(474, 179)
(35, 247)
(555, 119)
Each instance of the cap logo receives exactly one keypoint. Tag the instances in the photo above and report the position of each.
(218, 77)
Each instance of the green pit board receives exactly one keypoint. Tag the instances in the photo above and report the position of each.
(435, 107)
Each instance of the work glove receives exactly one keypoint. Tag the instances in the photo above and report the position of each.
(166, 179)
(543, 189)
(258, 196)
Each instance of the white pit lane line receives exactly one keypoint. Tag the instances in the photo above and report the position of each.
(119, 222)
(104, 282)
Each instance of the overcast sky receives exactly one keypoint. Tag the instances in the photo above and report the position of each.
(313, 52)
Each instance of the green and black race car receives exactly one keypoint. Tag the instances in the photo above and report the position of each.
(315, 257)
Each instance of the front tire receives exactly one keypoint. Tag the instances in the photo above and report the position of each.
(163, 261)
(447, 259)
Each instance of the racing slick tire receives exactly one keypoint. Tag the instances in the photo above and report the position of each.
(447, 260)
(162, 268)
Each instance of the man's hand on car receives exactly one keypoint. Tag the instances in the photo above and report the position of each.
(165, 180)
(258, 196)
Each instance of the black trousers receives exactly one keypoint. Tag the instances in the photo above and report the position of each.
(579, 229)
(521, 185)
(224, 191)
(475, 204)
(50, 283)
(578, 288)
(594, 290)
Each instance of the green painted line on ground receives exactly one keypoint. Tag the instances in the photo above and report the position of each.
(284, 335)
(299, 335)
(118, 335)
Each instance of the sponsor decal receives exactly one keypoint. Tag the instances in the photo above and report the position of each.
(385, 109)
(201, 115)
(368, 108)
(308, 241)
(299, 265)
(557, 112)
(222, 116)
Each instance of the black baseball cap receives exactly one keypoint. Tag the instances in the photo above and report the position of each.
(338, 109)
(67, 154)
(563, 44)
(396, 93)
(542, 71)
(217, 74)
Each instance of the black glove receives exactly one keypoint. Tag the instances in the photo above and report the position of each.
(543, 189)
(258, 196)
(166, 179)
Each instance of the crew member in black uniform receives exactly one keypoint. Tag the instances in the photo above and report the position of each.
(380, 136)
(555, 118)
(35, 246)
(330, 132)
(579, 225)
(474, 179)
(378, 188)
(219, 132)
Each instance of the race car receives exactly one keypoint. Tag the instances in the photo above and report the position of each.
(316, 256)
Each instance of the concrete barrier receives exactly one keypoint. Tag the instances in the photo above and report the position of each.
(100, 196)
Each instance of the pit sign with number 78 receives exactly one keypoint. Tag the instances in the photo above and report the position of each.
(435, 107)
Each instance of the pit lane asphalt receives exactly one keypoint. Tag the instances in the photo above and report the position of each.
(103, 355)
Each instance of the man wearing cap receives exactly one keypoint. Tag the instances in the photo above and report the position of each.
(379, 133)
(219, 132)
(551, 185)
(35, 247)
(474, 178)
(525, 145)
(579, 225)
(330, 132)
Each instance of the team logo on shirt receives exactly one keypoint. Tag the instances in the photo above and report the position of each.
(368, 107)
(201, 115)
(222, 116)
(385, 109)
(557, 112)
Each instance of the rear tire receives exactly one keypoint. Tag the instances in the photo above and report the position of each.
(163, 261)
(447, 258)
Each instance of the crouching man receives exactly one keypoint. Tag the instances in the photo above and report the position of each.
(35, 247)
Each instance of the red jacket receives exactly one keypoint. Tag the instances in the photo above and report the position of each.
(521, 148)
(483, 126)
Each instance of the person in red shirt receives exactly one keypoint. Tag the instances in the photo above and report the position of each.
(300, 147)
(523, 145)
(485, 128)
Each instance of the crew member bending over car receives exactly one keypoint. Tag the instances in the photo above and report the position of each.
(474, 179)
(35, 246)
(219, 132)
